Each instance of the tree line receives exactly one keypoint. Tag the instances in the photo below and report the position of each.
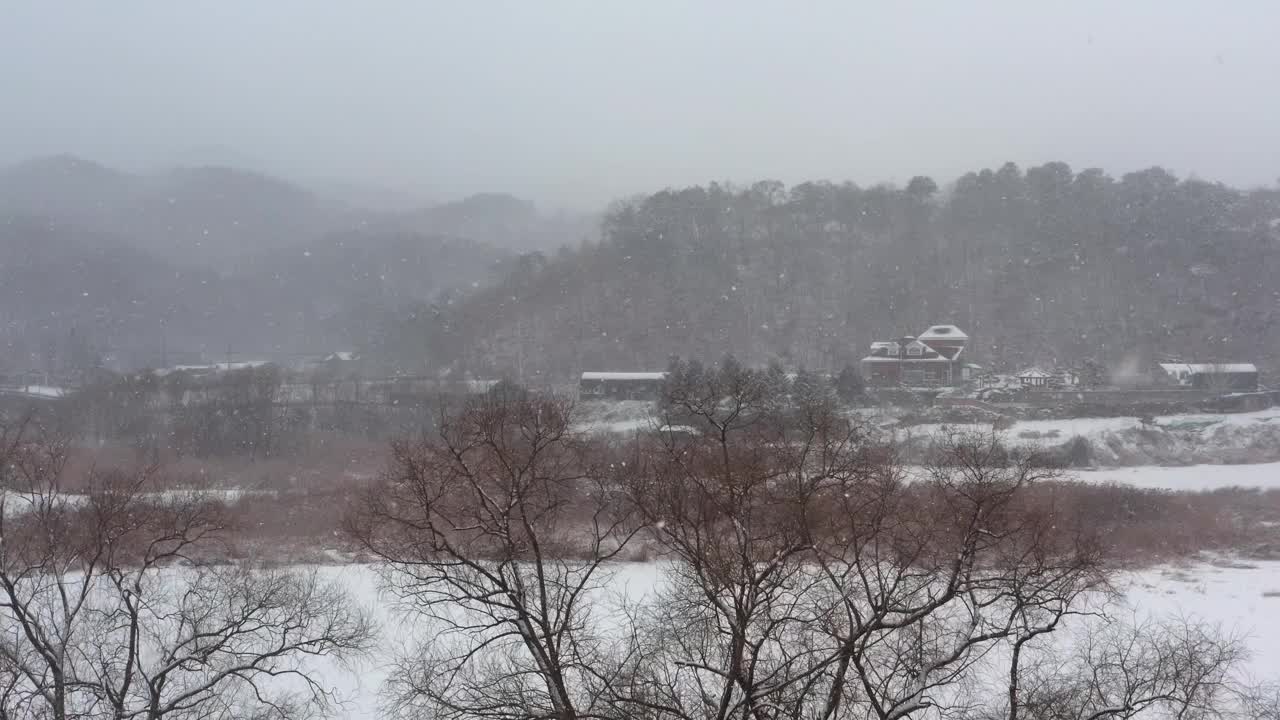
(1043, 265)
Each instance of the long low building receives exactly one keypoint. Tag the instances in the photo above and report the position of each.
(621, 385)
(1236, 377)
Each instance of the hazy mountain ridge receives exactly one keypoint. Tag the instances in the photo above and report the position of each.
(213, 214)
(196, 215)
(191, 260)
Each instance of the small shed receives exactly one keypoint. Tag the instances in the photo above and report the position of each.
(621, 385)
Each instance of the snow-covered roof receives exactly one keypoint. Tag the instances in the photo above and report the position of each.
(214, 367)
(1034, 373)
(343, 356)
(624, 376)
(42, 390)
(1206, 368)
(943, 332)
(907, 360)
(889, 345)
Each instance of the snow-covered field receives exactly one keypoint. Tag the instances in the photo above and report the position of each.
(1240, 597)
(1233, 596)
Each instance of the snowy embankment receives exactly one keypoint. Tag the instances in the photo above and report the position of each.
(19, 503)
(1189, 478)
(1193, 439)
(1173, 440)
(1177, 452)
(1241, 599)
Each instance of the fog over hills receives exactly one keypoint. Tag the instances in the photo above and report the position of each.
(195, 259)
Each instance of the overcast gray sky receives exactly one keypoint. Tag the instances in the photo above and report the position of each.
(573, 103)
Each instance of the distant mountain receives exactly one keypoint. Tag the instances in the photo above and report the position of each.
(505, 221)
(69, 189)
(193, 215)
(212, 213)
(215, 214)
(212, 155)
(369, 196)
(195, 258)
(130, 306)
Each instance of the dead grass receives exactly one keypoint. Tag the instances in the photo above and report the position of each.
(296, 507)
(1142, 527)
(1137, 527)
(331, 462)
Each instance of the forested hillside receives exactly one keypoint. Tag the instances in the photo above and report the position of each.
(1042, 265)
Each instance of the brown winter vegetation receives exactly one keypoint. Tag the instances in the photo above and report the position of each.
(290, 508)
(804, 574)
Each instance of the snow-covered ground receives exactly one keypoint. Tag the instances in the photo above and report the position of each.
(1199, 451)
(1240, 597)
(1065, 429)
(616, 416)
(1199, 438)
(1193, 477)
(1188, 439)
(18, 503)
(39, 391)
(1237, 597)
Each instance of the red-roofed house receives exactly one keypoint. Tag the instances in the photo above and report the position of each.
(934, 358)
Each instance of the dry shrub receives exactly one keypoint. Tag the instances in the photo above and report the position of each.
(1141, 526)
(290, 526)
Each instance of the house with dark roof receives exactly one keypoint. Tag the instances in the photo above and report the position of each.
(934, 358)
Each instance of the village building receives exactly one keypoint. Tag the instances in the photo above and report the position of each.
(934, 358)
(1234, 377)
(621, 385)
(1038, 378)
(1034, 378)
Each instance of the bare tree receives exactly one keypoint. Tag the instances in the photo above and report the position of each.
(810, 576)
(498, 533)
(107, 608)
(930, 572)
(734, 509)
(1115, 669)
